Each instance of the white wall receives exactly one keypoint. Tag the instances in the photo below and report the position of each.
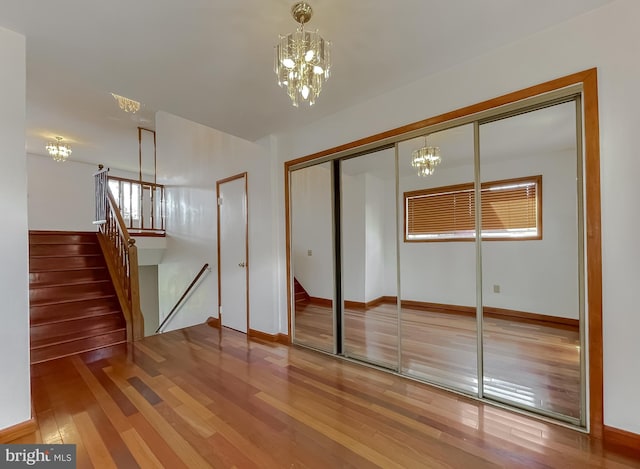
(311, 230)
(375, 241)
(366, 239)
(190, 159)
(148, 277)
(61, 195)
(354, 232)
(606, 38)
(15, 392)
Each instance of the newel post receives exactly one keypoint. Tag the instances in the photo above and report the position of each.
(136, 313)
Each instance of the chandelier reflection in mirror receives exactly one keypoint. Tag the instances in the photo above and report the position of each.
(425, 159)
(302, 59)
(58, 151)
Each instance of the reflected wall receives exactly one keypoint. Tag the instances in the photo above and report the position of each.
(312, 254)
(369, 261)
(531, 333)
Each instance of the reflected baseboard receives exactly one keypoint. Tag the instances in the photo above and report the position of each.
(489, 311)
(496, 313)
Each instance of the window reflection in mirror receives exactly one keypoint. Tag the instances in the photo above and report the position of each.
(438, 279)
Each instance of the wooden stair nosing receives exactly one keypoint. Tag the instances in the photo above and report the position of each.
(87, 305)
(65, 255)
(76, 352)
(73, 300)
(67, 284)
(35, 285)
(91, 270)
(44, 264)
(64, 269)
(69, 339)
(62, 237)
(97, 316)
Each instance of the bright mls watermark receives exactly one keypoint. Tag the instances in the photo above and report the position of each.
(38, 456)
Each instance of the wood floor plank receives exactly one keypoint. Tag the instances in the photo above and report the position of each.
(141, 452)
(160, 447)
(202, 397)
(148, 351)
(349, 442)
(184, 450)
(103, 398)
(99, 454)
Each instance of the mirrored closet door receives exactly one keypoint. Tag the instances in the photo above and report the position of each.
(312, 257)
(438, 258)
(369, 261)
(531, 260)
(453, 255)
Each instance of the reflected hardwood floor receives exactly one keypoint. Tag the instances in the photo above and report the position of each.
(532, 365)
(201, 397)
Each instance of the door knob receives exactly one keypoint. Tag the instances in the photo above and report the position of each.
(242, 264)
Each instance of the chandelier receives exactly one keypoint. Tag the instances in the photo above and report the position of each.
(302, 59)
(126, 104)
(425, 159)
(59, 151)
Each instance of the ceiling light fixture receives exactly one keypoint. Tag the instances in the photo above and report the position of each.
(302, 59)
(58, 151)
(126, 104)
(425, 159)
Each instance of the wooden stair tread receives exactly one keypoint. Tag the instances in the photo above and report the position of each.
(65, 269)
(61, 319)
(47, 263)
(71, 300)
(65, 256)
(40, 237)
(64, 336)
(71, 283)
(70, 311)
(65, 349)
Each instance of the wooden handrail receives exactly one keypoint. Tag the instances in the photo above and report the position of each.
(121, 256)
(148, 197)
(186, 292)
(135, 181)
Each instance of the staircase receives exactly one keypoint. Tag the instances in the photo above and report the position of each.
(73, 305)
(299, 293)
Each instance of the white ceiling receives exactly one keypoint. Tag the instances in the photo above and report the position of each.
(211, 61)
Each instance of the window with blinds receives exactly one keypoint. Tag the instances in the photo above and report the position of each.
(511, 210)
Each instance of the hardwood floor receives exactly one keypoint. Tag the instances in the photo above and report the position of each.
(532, 365)
(202, 397)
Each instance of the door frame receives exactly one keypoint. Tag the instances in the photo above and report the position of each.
(246, 239)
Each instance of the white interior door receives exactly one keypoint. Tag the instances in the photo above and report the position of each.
(232, 231)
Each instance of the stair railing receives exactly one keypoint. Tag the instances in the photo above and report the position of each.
(121, 254)
(184, 295)
(141, 205)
